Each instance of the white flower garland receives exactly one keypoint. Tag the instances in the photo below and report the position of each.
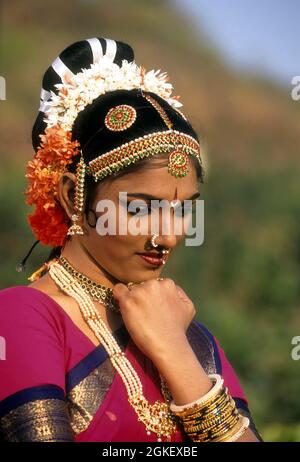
(81, 89)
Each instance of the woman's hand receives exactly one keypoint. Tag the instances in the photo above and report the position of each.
(156, 314)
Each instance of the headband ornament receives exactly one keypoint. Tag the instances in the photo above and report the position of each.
(178, 164)
(120, 118)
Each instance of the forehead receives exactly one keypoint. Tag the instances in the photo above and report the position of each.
(156, 181)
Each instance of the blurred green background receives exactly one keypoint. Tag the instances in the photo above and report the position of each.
(244, 279)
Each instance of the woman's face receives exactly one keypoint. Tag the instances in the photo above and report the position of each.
(119, 253)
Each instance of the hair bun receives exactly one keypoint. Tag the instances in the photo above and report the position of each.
(72, 60)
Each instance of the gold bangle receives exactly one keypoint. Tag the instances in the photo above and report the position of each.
(198, 410)
(225, 403)
(223, 433)
(213, 425)
(235, 435)
(203, 411)
(214, 418)
(228, 408)
(227, 434)
(217, 429)
(215, 404)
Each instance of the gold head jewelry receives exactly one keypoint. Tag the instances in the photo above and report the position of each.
(159, 109)
(139, 148)
(178, 160)
(178, 163)
(120, 118)
(75, 228)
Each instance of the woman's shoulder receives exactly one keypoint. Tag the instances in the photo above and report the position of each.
(22, 305)
(18, 296)
(34, 340)
(18, 290)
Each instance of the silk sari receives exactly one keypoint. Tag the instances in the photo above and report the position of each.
(56, 385)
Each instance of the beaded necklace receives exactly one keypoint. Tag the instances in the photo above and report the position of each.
(156, 417)
(97, 292)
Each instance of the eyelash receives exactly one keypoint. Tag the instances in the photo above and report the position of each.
(139, 208)
(148, 208)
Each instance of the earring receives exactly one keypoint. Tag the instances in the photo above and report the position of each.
(75, 228)
(153, 243)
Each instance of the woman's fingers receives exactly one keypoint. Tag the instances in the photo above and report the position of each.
(182, 294)
(119, 291)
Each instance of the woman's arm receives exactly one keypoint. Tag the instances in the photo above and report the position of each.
(157, 315)
(32, 377)
(185, 377)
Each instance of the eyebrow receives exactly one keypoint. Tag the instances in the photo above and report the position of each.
(149, 197)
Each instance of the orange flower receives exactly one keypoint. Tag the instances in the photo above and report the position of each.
(49, 221)
(49, 225)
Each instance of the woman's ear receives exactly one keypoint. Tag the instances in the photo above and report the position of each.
(66, 190)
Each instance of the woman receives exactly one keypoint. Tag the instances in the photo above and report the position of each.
(99, 346)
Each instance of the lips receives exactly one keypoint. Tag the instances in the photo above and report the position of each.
(151, 254)
(154, 258)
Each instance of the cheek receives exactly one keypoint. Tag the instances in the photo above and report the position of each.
(123, 243)
(115, 247)
(132, 227)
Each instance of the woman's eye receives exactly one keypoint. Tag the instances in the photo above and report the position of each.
(146, 209)
(141, 210)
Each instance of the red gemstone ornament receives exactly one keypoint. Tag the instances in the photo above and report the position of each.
(178, 164)
(120, 118)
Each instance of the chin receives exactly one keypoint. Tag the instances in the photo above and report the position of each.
(140, 276)
(135, 271)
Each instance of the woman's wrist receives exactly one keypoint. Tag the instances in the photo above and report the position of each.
(165, 350)
(182, 372)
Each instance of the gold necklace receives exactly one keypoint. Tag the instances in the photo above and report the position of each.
(97, 291)
(156, 417)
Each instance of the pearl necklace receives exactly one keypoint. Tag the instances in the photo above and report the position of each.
(156, 417)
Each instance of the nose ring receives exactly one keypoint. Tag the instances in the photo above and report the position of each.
(153, 243)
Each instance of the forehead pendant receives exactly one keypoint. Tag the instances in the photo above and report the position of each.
(120, 118)
(178, 164)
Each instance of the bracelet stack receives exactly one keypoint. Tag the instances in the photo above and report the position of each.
(214, 417)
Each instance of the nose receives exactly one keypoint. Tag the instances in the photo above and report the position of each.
(169, 232)
(169, 241)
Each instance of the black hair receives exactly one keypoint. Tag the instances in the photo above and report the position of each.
(74, 58)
